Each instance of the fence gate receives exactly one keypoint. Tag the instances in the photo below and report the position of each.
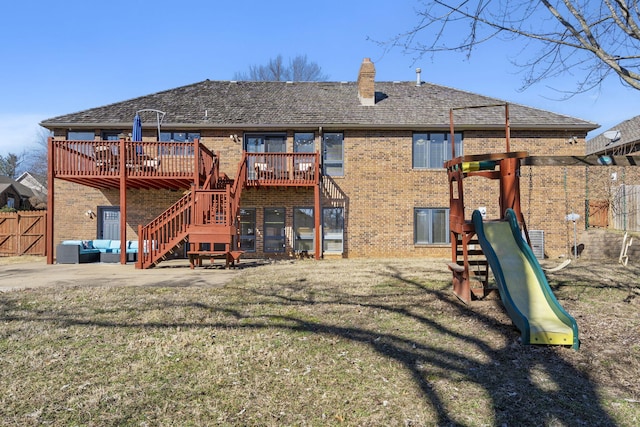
(598, 213)
(23, 233)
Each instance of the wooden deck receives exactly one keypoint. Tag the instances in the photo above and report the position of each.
(171, 165)
(205, 214)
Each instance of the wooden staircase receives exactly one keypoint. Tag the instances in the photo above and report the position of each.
(205, 219)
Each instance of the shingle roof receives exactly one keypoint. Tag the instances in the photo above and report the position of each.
(629, 134)
(22, 190)
(227, 104)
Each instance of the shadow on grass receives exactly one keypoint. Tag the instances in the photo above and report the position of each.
(509, 374)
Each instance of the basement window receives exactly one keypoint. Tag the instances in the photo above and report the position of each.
(431, 226)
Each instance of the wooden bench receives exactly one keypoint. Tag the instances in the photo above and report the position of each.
(196, 257)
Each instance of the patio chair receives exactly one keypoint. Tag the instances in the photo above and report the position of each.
(263, 171)
(304, 171)
(105, 158)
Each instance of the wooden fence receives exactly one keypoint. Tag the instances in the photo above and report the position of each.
(626, 208)
(23, 233)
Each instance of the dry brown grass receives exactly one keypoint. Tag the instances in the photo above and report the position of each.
(336, 342)
(10, 260)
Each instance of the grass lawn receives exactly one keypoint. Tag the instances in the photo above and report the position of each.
(306, 343)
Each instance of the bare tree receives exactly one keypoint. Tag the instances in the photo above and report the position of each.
(10, 165)
(34, 160)
(298, 69)
(589, 39)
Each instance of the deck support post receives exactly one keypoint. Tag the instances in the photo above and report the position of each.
(123, 201)
(50, 200)
(318, 209)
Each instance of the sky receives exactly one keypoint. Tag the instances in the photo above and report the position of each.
(68, 56)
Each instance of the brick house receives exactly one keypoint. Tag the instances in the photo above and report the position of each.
(347, 169)
(623, 138)
(14, 195)
(615, 193)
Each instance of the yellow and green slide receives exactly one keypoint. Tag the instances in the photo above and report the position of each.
(523, 287)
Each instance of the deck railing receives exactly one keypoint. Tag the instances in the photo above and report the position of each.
(164, 232)
(282, 168)
(139, 158)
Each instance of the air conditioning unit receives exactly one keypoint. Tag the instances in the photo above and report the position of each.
(537, 243)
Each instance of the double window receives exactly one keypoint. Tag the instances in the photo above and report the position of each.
(179, 136)
(431, 226)
(172, 149)
(111, 135)
(432, 149)
(269, 143)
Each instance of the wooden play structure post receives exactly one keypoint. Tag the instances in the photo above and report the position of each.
(467, 259)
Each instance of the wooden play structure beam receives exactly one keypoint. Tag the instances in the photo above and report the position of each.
(467, 260)
(590, 160)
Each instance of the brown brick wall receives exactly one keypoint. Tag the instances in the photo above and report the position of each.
(72, 201)
(380, 190)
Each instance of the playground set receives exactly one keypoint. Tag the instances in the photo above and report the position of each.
(503, 245)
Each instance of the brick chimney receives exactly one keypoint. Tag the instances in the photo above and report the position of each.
(366, 85)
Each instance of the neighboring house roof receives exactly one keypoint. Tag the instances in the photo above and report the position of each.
(37, 183)
(22, 190)
(629, 137)
(333, 105)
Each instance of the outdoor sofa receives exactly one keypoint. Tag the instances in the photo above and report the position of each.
(80, 251)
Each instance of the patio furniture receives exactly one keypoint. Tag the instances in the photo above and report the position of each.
(263, 171)
(76, 251)
(304, 171)
(103, 250)
(110, 257)
(105, 157)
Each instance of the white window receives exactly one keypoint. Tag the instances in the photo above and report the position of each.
(432, 149)
(431, 226)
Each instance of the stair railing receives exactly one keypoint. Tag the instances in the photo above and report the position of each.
(163, 233)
